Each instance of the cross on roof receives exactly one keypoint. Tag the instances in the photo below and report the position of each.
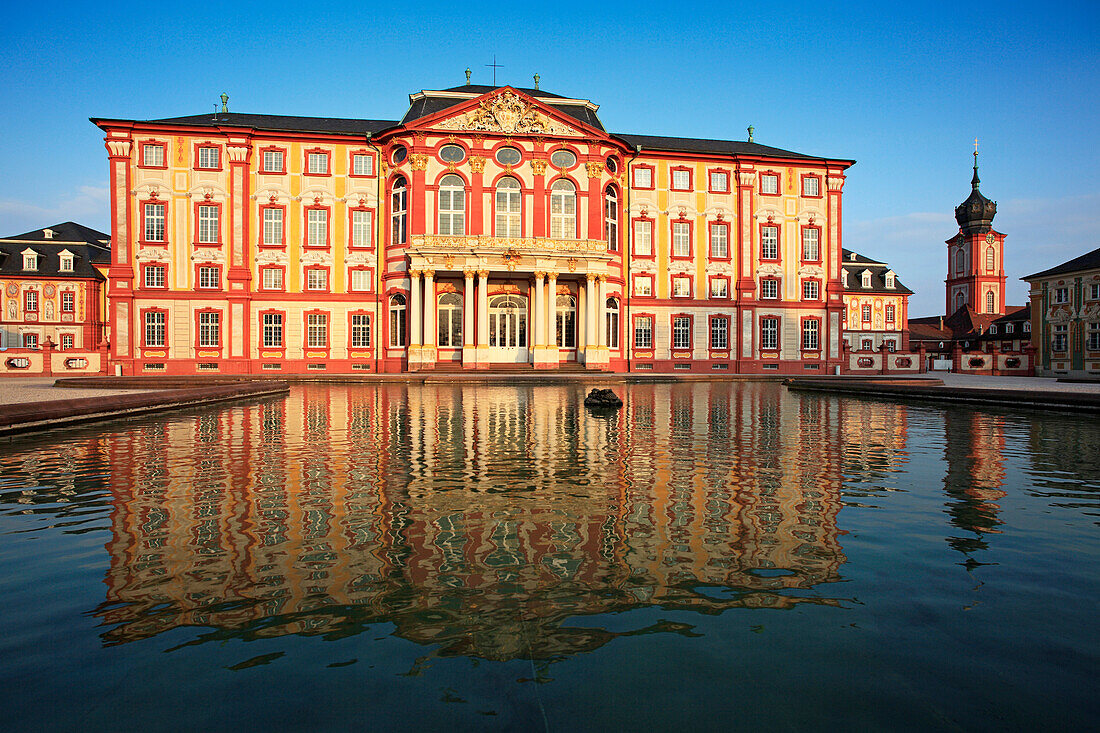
(495, 66)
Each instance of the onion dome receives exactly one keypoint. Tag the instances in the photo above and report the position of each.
(977, 212)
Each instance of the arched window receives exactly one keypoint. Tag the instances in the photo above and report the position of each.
(960, 299)
(452, 206)
(567, 321)
(508, 208)
(1027, 326)
(960, 261)
(563, 210)
(450, 320)
(612, 310)
(611, 219)
(399, 200)
(990, 302)
(990, 259)
(397, 320)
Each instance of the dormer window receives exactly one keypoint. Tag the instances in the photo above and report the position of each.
(65, 261)
(866, 278)
(844, 276)
(852, 257)
(1027, 326)
(890, 280)
(47, 233)
(30, 260)
(1009, 328)
(993, 330)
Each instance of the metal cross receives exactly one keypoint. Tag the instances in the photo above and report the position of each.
(495, 66)
(975, 146)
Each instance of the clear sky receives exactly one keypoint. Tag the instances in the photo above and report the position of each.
(903, 88)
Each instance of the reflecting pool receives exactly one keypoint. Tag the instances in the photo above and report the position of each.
(401, 557)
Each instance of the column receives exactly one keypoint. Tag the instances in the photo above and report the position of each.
(601, 301)
(538, 322)
(428, 352)
(553, 357)
(414, 319)
(482, 319)
(469, 348)
(591, 360)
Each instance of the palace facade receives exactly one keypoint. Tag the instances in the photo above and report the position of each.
(489, 227)
(1065, 311)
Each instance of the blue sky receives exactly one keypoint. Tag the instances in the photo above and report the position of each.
(902, 88)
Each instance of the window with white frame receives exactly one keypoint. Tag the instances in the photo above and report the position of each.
(1027, 326)
(769, 334)
(317, 163)
(865, 313)
(1060, 339)
(563, 210)
(67, 341)
(811, 247)
(643, 178)
(960, 261)
(273, 330)
(866, 277)
(990, 302)
(681, 239)
(769, 242)
(155, 328)
(1010, 328)
(360, 331)
(273, 226)
(398, 212)
(1094, 291)
(719, 181)
(209, 277)
(769, 288)
(719, 241)
(154, 276)
(154, 222)
(681, 179)
(719, 332)
(643, 285)
(210, 329)
(152, 155)
(360, 228)
(30, 340)
(272, 278)
(361, 280)
(811, 186)
(68, 301)
(508, 208)
(362, 164)
(30, 262)
(1093, 343)
(317, 279)
(1061, 295)
(890, 282)
(65, 263)
(273, 161)
(611, 219)
(452, 206)
(810, 334)
(769, 183)
(449, 320)
(643, 332)
(993, 329)
(316, 330)
(208, 224)
(30, 301)
(719, 287)
(681, 286)
(811, 290)
(643, 238)
(681, 332)
(891, 313)
(990, 259)
(397, 320)
(317, 227)
(867, 344)
(612, 313)
(209, 157)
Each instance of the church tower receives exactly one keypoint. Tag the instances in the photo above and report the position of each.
(975, 256)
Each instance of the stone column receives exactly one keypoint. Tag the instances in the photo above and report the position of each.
(428, 352)
(553, 357)
(482, 319)
(469, 347)
(538, 322)
(414, 319)
(591, 360)
(601, 301)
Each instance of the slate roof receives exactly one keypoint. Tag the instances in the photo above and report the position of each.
(1087, 261)
(878, 270)
(967, 324)
(429, 105)
(328, 125)
(705, 145)
(87, 245)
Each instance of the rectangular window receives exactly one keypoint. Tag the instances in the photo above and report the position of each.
(67, 341)
(317, 279)
(1061, 338)
(891, 344)
(208, 224)
(811, 186)
(643, 285)
(154, 276)
(30, 262)
(152, 155)
(866, 344)
(273, 227)
(769, 183)
(643, 178)
(273, 329)
(811, 249)
(681, 332)
(1094, 291)
(719, 182)
(1061, 295)
(769, 243)
(208, 157)
(865, 313)
(65, 264)
(30, 341)
(719, 333)
(154, 328)
(317, 164)
(68, 301)
(360, 331)
(362, 165)
(681, 239)
(681, 179)
(809, 335)
(210, 330)
(360, 229)
(273, 161)
(769, 289)
(317, 330)
(719, 241)
(891, 313)
(769, 334)
(719, 287)
(643, 238)
(273, 278)
(681, 287)
(209, 277)
(643, 332)
(317, 230)
(811, 290)
(30, 301)
(1093, 343)
(361, 280)
(154, 222)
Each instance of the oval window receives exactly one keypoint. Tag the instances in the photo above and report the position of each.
(563, 159)
(508, 156)
(612, 165)
(452, 154)
(399, 154)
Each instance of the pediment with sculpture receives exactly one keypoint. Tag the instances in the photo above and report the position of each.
(508, 113)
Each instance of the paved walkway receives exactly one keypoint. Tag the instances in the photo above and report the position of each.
(980, 381)
(17, 390)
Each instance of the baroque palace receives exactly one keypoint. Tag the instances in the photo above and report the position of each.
(490, 226)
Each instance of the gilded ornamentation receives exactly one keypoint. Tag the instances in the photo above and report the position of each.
(572, 264)
(469, 274)
(538, 167)
(507, 113)
(594, 169)
(449, 262)
(418, 161)
(414, 274)
(477, 164)
(483, 274)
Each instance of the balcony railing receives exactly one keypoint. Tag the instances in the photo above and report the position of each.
(524, 245)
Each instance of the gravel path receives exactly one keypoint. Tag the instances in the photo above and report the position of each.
(14, 390)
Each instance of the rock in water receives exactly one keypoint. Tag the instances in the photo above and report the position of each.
(602, 398)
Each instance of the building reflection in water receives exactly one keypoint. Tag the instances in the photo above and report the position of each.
(974, 446)
(479, 519)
